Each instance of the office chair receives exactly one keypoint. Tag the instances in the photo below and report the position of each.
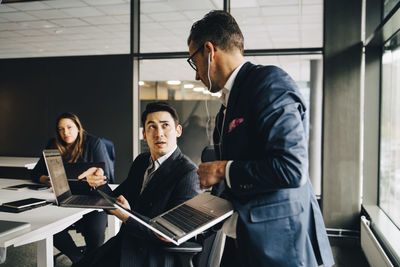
(205, 252)
(111, 157)
(208, 248)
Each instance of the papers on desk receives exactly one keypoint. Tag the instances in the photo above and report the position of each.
(7, 227)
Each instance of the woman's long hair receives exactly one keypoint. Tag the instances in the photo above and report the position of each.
(70, 153)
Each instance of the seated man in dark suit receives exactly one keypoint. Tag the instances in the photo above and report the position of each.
(157, 182)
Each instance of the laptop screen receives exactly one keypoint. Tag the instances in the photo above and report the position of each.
(56, 171)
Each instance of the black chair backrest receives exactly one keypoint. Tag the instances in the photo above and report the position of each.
(207, 240)
(111, 157)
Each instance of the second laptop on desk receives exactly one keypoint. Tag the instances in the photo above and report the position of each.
(61, 189)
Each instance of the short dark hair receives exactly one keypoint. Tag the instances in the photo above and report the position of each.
(160, 106)
(218, 27)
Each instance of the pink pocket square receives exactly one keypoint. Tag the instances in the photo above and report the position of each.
(235, 123)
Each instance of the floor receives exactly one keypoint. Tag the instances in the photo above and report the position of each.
(346, 251)
(26, 255)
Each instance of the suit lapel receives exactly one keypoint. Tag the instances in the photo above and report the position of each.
(234, 96)
(161, 178)
(138, 181)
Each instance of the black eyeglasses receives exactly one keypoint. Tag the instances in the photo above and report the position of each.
(190, 59)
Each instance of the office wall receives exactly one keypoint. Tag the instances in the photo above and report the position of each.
(34, 91)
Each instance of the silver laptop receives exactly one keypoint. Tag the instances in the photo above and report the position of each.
(61, 189)
(186, 220)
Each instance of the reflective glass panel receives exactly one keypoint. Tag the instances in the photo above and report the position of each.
(172, 80)
(389, 182)
(388, 6)
(275, 24)
(165, 25)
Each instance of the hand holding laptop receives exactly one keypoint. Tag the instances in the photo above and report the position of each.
(94, 176)
(125, 204)
(123, 216)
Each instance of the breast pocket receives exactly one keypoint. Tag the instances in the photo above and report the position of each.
(236, 142)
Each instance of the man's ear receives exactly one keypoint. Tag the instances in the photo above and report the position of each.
(178, 130)
(144, 135)
(210, 49)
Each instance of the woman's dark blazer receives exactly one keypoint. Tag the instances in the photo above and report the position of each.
(93, 151)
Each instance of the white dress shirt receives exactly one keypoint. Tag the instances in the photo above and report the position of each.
(229, 227)
(153, 166)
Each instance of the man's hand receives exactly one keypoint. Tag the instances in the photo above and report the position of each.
(44, 179)
(161, 237)
(94, 176)
(211, 173)
(124, 203)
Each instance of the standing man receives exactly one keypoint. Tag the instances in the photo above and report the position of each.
(260, 141)
(157, 182)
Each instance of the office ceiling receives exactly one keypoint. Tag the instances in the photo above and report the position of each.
(102, 27)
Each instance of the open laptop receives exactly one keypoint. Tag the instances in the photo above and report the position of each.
(186, 220)
(73, 170)
(62, 191)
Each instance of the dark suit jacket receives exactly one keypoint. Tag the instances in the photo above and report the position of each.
(280, 223)
(174, 182)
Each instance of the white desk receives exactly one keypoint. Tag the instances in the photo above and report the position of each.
(45, 221)
(23, 162)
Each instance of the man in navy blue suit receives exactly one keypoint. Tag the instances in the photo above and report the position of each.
(261, 146)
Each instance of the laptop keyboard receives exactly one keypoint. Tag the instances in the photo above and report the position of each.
(84, 200)
(187, 218)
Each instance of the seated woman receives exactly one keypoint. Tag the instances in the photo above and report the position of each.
(76, 145)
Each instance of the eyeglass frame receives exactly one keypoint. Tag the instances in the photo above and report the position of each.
(190, 59)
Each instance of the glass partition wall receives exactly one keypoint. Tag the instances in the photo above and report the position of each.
(154, 32)
(287, 34)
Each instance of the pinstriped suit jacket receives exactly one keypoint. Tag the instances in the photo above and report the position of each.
(174, 182)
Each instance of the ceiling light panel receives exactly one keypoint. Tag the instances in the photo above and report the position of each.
(5, 8)
(49, 14)
(18, 16)
(62, 28)
(168, 23)
(71, 22)
(277, 24)
(115, 9)
(28, 6)
(65, 4)
(106, 2)
(100, 20)
(82, 12)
